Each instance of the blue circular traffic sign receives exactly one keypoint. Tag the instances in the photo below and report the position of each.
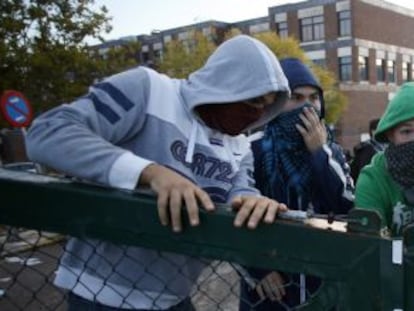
(16, 108)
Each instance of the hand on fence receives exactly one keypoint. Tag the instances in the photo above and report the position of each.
(271, 287)
(173, 192)
(253, 209)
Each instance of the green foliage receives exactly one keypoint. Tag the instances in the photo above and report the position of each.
(43, 53)
(282, 48)
(232, 33)
(183, 57)
(116, 59)
(335, 101)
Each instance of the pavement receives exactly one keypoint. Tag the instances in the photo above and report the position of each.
(28, 262)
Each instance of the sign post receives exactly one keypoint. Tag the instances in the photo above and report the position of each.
(18, 112)
(16, 109)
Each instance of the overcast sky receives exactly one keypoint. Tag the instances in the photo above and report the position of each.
(133, 17)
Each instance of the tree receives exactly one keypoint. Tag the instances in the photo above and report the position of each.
(117, 58)
(183, 57)
(179, 60)
(335, 101)
(43, 52)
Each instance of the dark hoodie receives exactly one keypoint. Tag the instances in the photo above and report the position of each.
(281, 161)
(298, 75)
(330, 187)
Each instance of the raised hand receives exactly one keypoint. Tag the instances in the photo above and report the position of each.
(314, 131)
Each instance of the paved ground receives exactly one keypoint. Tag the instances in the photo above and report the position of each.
(27, 273)
(26, 280)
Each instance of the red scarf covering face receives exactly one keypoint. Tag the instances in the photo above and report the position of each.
(230, 119)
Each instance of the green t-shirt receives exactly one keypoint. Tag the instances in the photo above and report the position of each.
(375, 189)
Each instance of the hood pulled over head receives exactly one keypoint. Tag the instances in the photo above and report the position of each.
(241, 68)
(299, 74)
(400, 109)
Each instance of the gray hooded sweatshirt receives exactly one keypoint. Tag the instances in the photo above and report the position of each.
(138, 117)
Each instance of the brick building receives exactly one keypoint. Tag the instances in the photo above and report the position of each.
(368, 44)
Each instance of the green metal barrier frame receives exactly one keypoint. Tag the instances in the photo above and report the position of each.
(357, 267)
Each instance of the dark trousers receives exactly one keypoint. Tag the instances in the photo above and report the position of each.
(77, 303)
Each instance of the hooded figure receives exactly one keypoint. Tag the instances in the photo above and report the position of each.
(297, 163)
(387, 183)
(139, 124)
(365, 150)
(298, 75)
(285, 168)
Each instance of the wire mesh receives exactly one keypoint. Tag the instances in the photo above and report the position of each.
(40, 269)
(30, 259)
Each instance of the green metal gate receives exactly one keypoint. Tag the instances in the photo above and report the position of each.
(360, 269)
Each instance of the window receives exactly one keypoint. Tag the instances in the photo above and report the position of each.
(158, 54)
(320, 62)
(312, 28)
(363, 68)
(207, 31)
(263, 27)
(145, 57)
(410, 72)
(183, 36)
(282, 29)
(344, 23)
(407, 71)
(391, 71)
(345, 68)
(380, 65)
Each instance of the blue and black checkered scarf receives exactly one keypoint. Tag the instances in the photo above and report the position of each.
(286, 159)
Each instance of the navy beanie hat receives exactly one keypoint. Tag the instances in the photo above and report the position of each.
(299, 74)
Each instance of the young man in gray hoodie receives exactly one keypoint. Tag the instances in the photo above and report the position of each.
(181, 138)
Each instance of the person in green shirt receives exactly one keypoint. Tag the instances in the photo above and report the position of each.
(387, 183)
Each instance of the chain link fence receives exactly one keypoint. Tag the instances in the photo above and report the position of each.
(90, 240)
(30, 259)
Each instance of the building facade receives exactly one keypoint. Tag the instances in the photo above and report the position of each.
(367, 44)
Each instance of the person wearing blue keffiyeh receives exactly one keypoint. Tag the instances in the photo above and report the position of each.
(297, 163)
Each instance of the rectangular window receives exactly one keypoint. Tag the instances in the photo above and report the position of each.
(158, 54)
(263, 27)
(345, 68)
(282, 29)
(380, 66)
(411, 77)
(411, 72)
(312, 28)
(145, 57)
(320, 62)
(405, 71)
(363, 68)
(344, 23)
(183, 36)
(391, 71)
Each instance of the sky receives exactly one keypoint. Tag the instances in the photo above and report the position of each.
(133, 17)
